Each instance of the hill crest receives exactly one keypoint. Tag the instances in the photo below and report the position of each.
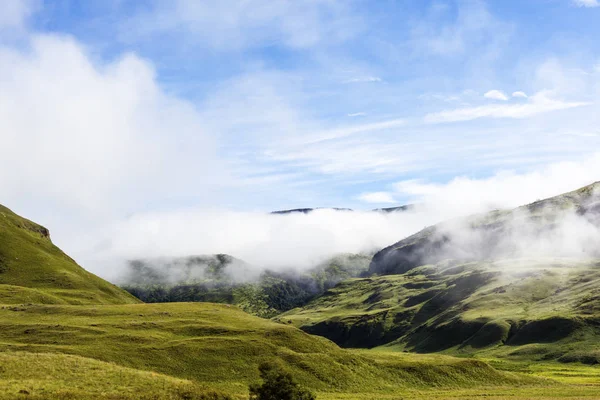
(498, 234)
(34, 270)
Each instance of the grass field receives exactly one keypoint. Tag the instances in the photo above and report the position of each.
(220, 347)
(60, 376)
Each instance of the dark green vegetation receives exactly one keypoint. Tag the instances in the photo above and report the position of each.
(225, 279)
(33, 270)
(278, 384)
(519, 309)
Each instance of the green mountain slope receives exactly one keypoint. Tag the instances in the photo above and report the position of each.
(521, 309)
(491, 235)
(33, 270)
(462, 287)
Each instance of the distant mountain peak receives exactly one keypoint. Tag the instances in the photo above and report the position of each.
(402, 208)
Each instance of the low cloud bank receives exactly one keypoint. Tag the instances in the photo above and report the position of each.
(299, 241)
(276, 242)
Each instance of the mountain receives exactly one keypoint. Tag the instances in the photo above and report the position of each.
(213, 268)
(307, 210)
(497, 234)
(407, 207)
(519, 284)
(222, 278)
(34, 270)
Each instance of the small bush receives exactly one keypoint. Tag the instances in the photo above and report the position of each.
(278, 385)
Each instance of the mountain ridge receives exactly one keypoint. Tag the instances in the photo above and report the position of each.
(461, 287)
(430, 244)
(308, 210)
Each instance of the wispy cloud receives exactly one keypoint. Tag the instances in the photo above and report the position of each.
(357, 114)
(586, 3)
(338, 133)
(539, 103)
(364, 79)
(520, 94)
(495, 95)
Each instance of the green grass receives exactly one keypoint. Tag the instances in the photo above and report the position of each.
(59, 376)
(33, 270)
(221, 347)
(518, 309)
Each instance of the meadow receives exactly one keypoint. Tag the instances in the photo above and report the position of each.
(185, 350)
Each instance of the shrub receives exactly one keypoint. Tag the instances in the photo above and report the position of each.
(278, 385)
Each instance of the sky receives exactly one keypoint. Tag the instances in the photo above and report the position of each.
(120, 117)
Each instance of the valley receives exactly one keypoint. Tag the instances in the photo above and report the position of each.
(443, 327)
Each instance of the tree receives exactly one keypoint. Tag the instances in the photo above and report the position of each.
(278, 385)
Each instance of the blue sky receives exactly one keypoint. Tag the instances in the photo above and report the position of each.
(367, 72)
(113, 108)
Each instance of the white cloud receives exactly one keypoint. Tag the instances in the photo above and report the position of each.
(84, 144)
(504, 189)
(541, 102)
(299, 240)
(586, 3)
(364, 79)
(520, 94)
(495, 95)
(272, 241)
(377, 198)
(345, 131)
(15, 12)
(280, 136)
(357, 114)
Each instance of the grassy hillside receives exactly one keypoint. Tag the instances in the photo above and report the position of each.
(33, 270)
(499, 234)
(58, 376)
(220, 347)
(518, 309)
(482, 285)
(210, 352)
